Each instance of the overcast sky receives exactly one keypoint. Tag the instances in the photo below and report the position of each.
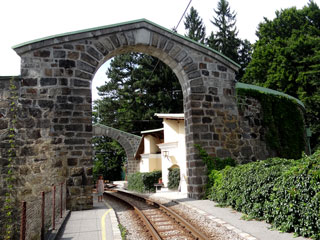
(25, 20)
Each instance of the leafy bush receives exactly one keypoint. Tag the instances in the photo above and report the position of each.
(286, 193)
(143, 182)
(214, 164)
(174, 178)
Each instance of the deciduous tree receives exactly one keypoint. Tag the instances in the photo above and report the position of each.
(287, 58)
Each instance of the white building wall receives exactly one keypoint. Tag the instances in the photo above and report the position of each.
(174, 144)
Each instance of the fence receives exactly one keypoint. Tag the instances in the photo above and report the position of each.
(40, 216)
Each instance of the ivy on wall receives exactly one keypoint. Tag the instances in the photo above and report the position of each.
(174, 178)
(9, 203)
(283, 121)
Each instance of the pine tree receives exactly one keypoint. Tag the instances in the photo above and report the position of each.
(225, 39)
(136, 91)
(244, 57)
(195, 27)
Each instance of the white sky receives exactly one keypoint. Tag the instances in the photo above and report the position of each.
(25, 20)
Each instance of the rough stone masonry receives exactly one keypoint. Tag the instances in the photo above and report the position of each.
(55, 96)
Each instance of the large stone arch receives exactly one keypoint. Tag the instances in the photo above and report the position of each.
(55, 95)
(128, 141)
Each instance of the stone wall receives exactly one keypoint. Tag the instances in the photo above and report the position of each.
(55, 122)
(5, 116)
(252, 145)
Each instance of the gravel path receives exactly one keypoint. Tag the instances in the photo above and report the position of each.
(128, 219)
(207, 225)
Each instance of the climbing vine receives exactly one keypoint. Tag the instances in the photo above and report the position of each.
(9, 203)
(283, 122)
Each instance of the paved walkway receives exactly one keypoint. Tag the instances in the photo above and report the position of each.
(250, 229)
(99, 223)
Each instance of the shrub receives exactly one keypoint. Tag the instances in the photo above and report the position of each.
(143, 182)
(286, 193)
(174, 178)
(213, 164)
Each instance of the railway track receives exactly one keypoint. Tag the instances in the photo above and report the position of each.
(160, 221)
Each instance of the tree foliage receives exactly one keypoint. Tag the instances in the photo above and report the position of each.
(109, 158)
(226, 40)
(136, 91)
(195, 26)
(287, 58)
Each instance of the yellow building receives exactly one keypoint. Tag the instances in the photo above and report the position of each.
(165, 148)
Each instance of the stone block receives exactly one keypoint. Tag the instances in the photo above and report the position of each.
(76, 171)
(163, 42)
(115, 41)
(74, 191)
(223, 153)
(180, 56)
(199, 128)
(198, 89)
(222, 68)
(74, 127)
(67, 63)
(48, 81)
(29, 82)
(74, 141)
(73, 55)
(59, 54)
(213, 90)
(42, 53)
(190, 68)
(107, 44)
(3, 124)
(74, 99)
(169, 46)
(88, 59)
(246, 151)
(122, 39)
(72, 161)
(85, 67)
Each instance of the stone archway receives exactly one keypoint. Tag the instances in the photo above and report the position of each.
(128, 141)
(55, 95)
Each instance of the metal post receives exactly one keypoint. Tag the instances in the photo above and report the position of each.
(23, 220)
(65, 208)
(54, 208)
(42, 214)
(61, 189)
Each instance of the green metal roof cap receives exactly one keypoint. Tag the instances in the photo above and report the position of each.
(126, 23)
(267, 90)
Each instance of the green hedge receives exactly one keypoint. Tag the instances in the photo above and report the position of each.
(285, 193)
(143, 182)
(283, 121)
(174, 178)
(213, 164)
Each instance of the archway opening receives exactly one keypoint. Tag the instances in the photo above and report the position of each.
(133, 88)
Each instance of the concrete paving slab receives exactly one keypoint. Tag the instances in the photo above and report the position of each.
(99, 223)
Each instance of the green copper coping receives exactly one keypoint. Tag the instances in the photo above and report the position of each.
(267, 90)
(121, 24)
(9, 77)
(107, 127)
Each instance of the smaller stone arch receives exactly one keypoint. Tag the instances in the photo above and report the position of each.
(128, 141)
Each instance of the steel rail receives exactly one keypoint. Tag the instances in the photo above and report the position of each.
(192, 230)
(147, 223)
